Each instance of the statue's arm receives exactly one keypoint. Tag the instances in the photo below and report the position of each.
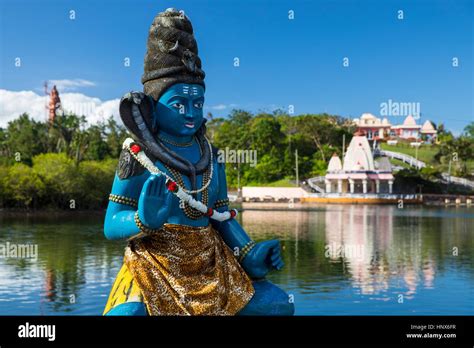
(263, 257)
(119, 218)
(230, 230)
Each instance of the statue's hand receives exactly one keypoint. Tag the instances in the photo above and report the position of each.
(155, 202)
(264, 257)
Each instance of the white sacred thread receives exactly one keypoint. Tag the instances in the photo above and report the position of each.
(183, 195)
(145, 161)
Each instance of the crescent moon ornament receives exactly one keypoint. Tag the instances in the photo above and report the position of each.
(162, 47)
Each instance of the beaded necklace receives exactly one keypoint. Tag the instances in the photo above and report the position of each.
(178, 190)
(171, 142)
(187, 209)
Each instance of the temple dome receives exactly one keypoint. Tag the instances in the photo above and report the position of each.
(367, 116)
(368, 119)
(359, 155)
(428, 127)
(409, 121)
(335, 164)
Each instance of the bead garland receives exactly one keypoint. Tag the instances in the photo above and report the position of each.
(184, 195)
(142, 158)
(188, 211)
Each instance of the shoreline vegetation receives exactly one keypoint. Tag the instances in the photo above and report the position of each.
(50, 213)
(70, 165)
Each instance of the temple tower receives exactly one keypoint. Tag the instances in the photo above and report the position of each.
(54, 104)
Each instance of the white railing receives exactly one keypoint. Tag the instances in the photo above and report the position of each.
(419, 164)
(460, 181)
(412, 161)
(312, 183)
(392, 196)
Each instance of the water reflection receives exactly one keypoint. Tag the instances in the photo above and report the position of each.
(342, 256)
(73, 260)
(339, 260)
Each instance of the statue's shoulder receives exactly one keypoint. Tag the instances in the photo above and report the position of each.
(218, 157)
(215, 150)
(128, 166)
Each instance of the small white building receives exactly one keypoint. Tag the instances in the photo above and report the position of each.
(428, 130)
(359, 173)
(373, 127)
(409, 129)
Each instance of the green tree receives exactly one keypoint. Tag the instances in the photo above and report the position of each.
(469, 131)
(25, 138)
(92, 145)
(266, 134)
(65, 127)
(115, 135)
(321, 130)
(23, 186)
(60, 176)
(96, 180)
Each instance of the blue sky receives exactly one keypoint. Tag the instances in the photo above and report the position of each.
(282, 62)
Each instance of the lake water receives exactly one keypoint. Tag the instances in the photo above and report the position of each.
(376, 260)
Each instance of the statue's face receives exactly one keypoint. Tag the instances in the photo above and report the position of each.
(179, 109)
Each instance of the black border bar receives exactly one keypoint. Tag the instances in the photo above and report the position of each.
(289, 331)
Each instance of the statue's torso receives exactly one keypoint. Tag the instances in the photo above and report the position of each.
(134, 185)
(192, 154)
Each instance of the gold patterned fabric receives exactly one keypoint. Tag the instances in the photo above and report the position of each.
(185, 270)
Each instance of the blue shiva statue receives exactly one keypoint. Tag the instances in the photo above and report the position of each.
(186, 254)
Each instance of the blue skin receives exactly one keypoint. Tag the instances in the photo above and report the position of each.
(180, 116)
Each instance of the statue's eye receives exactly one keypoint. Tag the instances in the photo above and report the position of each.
(178, 106)
(198, 105)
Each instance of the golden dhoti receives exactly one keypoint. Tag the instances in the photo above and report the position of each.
(185, 270)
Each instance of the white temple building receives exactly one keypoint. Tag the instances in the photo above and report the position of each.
(359, 173)
(378, 129)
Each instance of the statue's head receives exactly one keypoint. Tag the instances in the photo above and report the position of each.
(173, 76)
(179, 110)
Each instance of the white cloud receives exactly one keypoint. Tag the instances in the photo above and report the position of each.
(70, 84)
(14, 103)
(220, 107)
